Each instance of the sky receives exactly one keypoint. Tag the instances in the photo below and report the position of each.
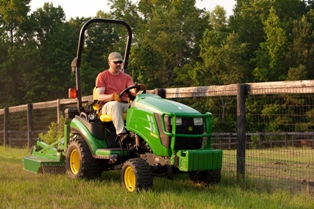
(83, 8)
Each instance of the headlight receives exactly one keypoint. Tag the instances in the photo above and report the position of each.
(198, 121)
(91, 117)
(178, 121)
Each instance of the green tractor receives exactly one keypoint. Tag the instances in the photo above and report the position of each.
(166, 138)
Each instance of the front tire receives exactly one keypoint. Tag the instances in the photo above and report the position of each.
(205, 178)
(136, 175)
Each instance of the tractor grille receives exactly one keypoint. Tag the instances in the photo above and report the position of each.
(188, 142)
(187, 127)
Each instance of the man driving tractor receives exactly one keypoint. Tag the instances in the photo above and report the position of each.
(108, 85)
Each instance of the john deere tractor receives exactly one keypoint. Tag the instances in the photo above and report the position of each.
(165, 138)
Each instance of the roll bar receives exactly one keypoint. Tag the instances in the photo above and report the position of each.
(76, 63)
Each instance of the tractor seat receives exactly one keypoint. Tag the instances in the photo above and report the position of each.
(108, 118)
(102, 117)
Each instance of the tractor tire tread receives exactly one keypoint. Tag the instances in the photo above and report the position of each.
(90, 168)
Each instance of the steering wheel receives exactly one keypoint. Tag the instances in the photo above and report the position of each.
(127, 90)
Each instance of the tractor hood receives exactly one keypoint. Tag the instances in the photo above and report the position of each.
(156, 104)
(157, 121)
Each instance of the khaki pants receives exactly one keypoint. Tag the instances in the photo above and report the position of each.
(116, 110)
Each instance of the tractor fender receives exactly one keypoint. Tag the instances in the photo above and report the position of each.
(82, 127)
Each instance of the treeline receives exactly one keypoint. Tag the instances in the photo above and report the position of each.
(174, 44)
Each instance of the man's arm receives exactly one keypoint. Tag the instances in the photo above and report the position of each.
(102, 97)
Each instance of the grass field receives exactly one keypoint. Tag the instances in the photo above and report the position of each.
(22, 189)
(286, 168)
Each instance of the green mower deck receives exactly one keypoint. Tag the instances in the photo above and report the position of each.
(42, 165)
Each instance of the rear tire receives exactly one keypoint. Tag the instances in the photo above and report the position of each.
(205, 178)
(136, 175)
(80, 162)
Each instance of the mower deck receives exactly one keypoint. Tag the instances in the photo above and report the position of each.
(42, 165)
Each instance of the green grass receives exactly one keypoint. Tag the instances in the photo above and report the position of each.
(286, 168)
(22, 189)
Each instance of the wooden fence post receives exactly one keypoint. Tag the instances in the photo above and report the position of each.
(286, 139)
(292, 140)
(29, 125)
(229, 141)
(6, 127)
(241, 138)
(58, 110)
(160, 92)
(259, 140)
(58, 113)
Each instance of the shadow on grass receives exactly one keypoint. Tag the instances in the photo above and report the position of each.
(265, 185)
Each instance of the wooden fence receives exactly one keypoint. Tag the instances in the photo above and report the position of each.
(240, 140)
(241, 91)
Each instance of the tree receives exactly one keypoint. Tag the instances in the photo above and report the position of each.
(55, 48)
(222, 54)
(300, 55)
(247, 23)
(12, 14)
(166, 37)
(270, 60)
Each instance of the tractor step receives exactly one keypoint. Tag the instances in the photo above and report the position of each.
(43, 165)
(111, 151)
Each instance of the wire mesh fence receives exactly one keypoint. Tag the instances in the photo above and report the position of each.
(2, 129)
(18, 126)
(279, 137)
(43, 119)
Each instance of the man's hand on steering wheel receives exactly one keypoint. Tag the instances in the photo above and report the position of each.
(116, 97)
(140, 87)
(136, 88)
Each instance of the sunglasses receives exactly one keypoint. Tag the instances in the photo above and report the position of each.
(116, 62)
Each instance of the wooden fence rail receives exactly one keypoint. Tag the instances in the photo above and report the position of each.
(284, 87)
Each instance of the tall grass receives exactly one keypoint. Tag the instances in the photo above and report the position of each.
(22, 189)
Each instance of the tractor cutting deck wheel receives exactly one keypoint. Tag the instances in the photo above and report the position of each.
(136, 175)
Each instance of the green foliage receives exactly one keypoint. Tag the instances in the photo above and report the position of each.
(55, 131)
(272, 51)
(255, 142)
(223, 60)
(164, 41)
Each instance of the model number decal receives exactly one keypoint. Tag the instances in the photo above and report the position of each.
(152, 127)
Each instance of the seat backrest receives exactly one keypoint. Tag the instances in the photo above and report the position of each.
(95, 98)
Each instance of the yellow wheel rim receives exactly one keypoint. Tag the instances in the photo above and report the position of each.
(129, 179)
(74, 161)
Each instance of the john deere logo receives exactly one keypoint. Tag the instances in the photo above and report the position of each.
(190, 128)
